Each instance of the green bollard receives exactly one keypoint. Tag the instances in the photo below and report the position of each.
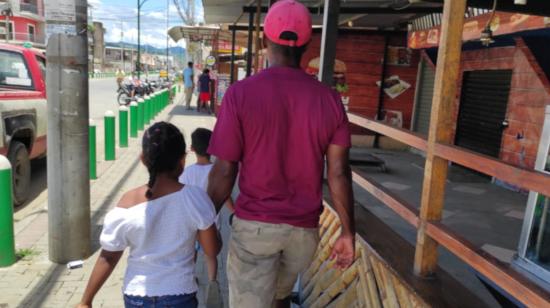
(93, 153)
(153, 99)
(123, 126)
(7, 240)
(109, 135)
(133, 120)
(153, 107)
(147, 114)
(141, 106)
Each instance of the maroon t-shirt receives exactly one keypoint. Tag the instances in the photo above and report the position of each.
(278, 125)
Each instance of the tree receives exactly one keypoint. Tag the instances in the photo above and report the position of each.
(186, 11)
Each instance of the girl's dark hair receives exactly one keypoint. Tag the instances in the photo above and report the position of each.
(163, 148)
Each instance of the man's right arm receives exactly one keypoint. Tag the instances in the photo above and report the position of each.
(339, 182)
(221, 181)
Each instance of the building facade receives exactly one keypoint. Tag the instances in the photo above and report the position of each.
(23, 21)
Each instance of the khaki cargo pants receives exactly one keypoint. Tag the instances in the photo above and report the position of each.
(265, 260)
(188, 95)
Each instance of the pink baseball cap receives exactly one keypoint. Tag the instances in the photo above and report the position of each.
(288, 23)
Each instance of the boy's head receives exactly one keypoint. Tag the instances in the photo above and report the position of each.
(200, 139)
(206, 71)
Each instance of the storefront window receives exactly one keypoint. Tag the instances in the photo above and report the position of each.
(538, 246)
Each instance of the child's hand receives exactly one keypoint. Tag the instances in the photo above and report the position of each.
(83, 306)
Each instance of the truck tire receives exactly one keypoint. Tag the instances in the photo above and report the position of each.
(21, 171)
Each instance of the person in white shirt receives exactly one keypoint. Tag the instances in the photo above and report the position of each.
(159, 223)
(197, 175)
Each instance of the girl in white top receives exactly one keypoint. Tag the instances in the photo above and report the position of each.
(159, 223)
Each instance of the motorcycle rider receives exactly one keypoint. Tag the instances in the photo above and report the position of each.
(119, 77)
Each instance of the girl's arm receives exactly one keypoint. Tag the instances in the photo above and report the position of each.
(210, 241)
(103, 268)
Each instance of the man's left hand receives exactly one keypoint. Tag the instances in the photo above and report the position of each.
(344, 251)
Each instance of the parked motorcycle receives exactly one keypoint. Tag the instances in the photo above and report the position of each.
(125, 94)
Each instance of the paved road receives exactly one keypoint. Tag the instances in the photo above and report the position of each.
(103, 96)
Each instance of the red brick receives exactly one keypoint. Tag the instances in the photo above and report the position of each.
(525, 113)
(533, 97)
(528, 80)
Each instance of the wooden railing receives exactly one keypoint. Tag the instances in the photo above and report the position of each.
(506, 278)
(368, 282)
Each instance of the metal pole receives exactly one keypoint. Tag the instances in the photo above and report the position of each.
(7, 240)
(257, 43)
(8, 32)
(93, 152)
(233, 37)
(328, 42)
(123, 126)
(109, 126)
(249, 46)
(122, 42)
(148, 110)
(380, 111)
(141, 113)
(68, 141)
(138, 65)
(133, 120)
(167, 37)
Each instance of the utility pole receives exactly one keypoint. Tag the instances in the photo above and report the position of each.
(122, 45)
(167, 37)
(140, 3)
(68, 149)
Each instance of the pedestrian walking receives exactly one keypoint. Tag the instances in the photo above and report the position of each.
(159, 223)
(277, 129)
(189, 84)
(205, 83)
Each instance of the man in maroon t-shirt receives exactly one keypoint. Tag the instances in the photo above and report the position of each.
(279, 126)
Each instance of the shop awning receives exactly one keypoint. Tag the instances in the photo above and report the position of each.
(379, 14)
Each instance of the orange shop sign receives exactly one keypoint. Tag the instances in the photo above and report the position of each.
(224, 47)
(503, 23)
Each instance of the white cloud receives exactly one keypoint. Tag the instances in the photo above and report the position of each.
(117, 18)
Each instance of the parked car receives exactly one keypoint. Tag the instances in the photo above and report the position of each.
(23, 113)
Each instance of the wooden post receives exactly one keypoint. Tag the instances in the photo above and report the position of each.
(442, 126)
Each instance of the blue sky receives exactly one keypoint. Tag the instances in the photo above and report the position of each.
(120, 17)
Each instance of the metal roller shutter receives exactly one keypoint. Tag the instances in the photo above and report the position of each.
(424, 98)
(482, 111)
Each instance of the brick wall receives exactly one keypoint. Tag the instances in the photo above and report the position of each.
(529, 94)
(363, 55)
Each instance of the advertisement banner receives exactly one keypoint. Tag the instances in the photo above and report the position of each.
(502, 23)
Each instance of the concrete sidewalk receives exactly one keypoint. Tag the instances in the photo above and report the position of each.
(34, 281)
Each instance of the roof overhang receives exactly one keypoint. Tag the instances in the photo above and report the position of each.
(381, 14)
(371, 14)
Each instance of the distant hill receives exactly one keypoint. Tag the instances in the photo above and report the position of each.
(174, 51)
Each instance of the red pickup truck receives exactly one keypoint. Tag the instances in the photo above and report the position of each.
(23, 113)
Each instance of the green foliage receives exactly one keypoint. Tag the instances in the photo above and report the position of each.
(26, 253)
